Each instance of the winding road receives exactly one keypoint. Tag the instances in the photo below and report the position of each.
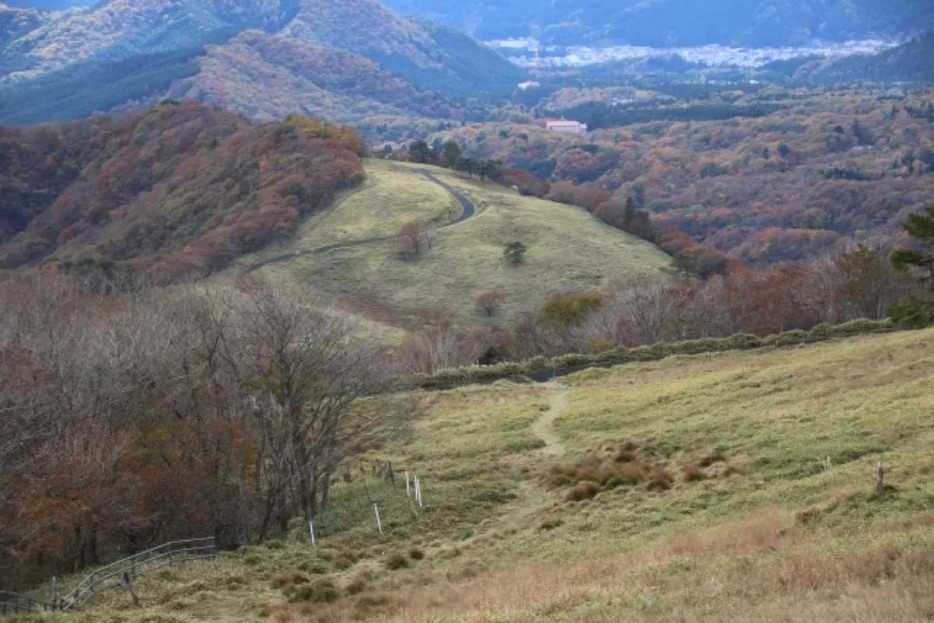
(468, 209)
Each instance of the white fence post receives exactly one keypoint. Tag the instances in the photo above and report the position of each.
(311, 529)
(379, 524)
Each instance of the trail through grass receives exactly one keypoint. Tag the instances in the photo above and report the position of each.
(543, 427)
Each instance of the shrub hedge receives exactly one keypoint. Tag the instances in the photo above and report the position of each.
(540, 368)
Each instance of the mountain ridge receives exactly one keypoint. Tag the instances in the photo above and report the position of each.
(665, 23)
(81, 57)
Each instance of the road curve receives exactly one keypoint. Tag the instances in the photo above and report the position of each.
(468, 209)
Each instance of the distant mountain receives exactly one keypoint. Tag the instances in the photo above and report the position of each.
(303, 78)
(68, 65)
(660, 23)
(177, 189)
(49, 5)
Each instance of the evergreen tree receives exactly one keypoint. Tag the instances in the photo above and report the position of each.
(921, 228)
(917, 311)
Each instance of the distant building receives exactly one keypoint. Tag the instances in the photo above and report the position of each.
(570, 127)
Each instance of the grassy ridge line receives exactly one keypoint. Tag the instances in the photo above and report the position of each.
(541, 368)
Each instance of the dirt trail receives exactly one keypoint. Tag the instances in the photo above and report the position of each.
(543, 427)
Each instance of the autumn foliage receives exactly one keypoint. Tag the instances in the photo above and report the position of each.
(132, 420)
(180, 189)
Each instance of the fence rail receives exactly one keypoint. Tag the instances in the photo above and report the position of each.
(115, 575)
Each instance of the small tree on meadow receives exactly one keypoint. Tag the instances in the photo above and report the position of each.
(487, 169)
(515, 253)
(489, 301)
(411, 238)
(420, 152)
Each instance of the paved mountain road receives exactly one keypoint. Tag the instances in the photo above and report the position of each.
(468, 209)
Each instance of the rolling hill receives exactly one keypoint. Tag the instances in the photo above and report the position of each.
(71, 64)
(664, 23)
(349, 254)
(737, 486)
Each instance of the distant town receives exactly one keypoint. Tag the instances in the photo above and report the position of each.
(530, 53)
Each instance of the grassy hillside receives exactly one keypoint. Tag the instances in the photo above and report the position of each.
(733, 487)
(568, 249)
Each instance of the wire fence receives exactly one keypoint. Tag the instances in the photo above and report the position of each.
(14, 603)
(119, 574)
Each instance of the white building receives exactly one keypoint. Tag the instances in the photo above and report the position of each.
(570, 127)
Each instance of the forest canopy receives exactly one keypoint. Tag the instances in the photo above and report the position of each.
(179, 189)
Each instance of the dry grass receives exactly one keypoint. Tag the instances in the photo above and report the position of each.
(734, 566)
(773, 531)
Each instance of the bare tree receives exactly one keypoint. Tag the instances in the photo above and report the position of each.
(489, 301)
(307, 370)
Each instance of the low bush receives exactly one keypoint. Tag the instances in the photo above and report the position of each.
(582, 491)
(446, 379)
(396, 560)
(659, 480)
(320, 591)
(290, 578)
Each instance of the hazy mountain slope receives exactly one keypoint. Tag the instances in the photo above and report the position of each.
(49, 5)
(70, 64)
(179, 188)
(342, 86)
(678, 22)
(15, 23)
(911, 62)
(429, 55)
(120, 29)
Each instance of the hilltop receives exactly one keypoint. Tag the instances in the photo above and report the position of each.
(349, 252)
(70, 64)
(736, 486)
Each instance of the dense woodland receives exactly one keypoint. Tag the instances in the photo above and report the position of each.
(180, 189)
(134, 419)
(824, 171)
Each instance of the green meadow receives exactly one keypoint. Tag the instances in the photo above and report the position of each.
(568, 249)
